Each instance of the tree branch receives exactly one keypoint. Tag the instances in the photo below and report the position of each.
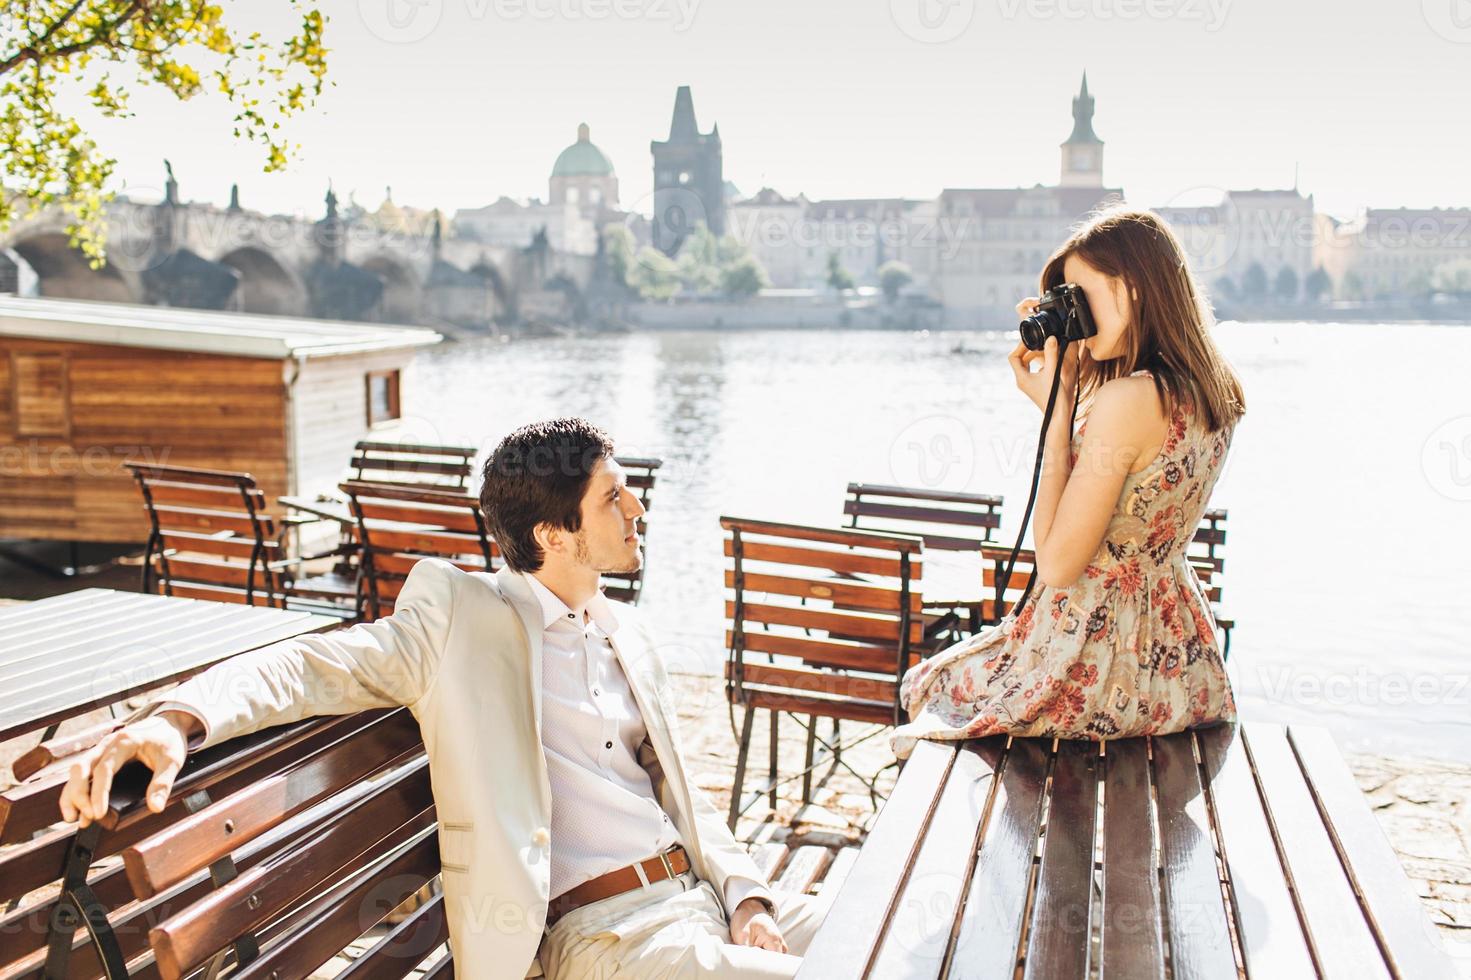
(31, 52)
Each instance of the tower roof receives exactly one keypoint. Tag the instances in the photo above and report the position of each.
(1083, 116)
(582, 159)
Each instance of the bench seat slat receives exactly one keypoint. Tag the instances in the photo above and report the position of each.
(917, 936)
(1200, 938)
(1266, 913)
(1393, 907)
(1061, 926)
(1132, 945)
(995, 906)
(247, 902)
(842, 946)
(406, 945)
(1340, 935)
(375, 892)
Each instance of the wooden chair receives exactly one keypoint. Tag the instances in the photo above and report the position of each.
(210, 536)
(843, 644)
(274, 852)
(947, 520)
(642, 473)
(413, 464)
(1205, 554)
(399, 526)
(1224, 852)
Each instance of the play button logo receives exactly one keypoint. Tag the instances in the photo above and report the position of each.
(932, 21)
(1451, 19)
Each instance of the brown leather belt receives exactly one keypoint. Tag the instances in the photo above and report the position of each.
(671, 864)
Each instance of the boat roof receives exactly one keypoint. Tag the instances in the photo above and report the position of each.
(203, 331)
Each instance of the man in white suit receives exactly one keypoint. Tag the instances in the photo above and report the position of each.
(571, 841)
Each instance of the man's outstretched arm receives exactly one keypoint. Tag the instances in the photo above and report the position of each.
(389, 662)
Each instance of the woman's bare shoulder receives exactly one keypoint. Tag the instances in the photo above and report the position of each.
(1128, 411)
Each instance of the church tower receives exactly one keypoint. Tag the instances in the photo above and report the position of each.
(689, 186)
(1082, 154)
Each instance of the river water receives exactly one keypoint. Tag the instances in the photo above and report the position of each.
(1348, 554)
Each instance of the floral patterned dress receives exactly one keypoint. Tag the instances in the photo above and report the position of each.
(1128, 649)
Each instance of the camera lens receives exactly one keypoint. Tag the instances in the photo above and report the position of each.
(1036, 328)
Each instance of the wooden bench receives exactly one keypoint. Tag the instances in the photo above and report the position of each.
(1232, 851)
(274, 853)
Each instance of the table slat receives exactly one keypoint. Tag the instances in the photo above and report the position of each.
(1062, 919)
(1340, 935)
(179, 637)
(990, 934)
(1394, 910)
(1132, 946)
(917, 935)
(1267, 916)
(1200, 938)
(841, 947)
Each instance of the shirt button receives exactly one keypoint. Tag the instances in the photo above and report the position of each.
(596, 692)
(541, 837)
(607, 745)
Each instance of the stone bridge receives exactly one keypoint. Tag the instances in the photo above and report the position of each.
(204, 256)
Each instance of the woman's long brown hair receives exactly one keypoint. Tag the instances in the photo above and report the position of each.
(1170, 330)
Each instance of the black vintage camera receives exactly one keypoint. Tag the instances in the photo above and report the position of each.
(1062, 313)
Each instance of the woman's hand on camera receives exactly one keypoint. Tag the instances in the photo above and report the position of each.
(1036, 385)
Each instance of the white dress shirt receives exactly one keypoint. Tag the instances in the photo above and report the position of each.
(604, 814)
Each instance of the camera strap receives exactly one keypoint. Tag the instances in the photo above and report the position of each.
(1003, 575)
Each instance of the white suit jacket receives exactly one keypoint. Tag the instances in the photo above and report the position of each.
(462, 651)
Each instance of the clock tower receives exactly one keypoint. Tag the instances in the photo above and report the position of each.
(1082, 154)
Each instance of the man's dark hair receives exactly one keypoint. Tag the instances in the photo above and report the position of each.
(538, 475)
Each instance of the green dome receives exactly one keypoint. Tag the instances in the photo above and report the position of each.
(582, 159)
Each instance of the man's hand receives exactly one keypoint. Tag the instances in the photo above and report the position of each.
(752, 925)
(159, 742)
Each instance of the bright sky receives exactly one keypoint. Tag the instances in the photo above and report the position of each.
(456, 102)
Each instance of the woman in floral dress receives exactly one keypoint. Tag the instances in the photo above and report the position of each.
(1116, 638)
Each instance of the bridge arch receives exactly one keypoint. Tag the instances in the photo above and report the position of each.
(63, 272)
(403, 294)
(266, 286)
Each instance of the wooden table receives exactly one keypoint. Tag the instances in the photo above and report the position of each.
(62, 656)
(329, 508)
(1228, 852)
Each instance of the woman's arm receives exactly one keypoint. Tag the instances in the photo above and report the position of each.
(1075, 502)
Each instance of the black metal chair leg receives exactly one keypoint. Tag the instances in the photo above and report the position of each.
(807, 763)
(775, 717)
(740, 773)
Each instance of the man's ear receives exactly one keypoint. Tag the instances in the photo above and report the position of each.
(548, 537)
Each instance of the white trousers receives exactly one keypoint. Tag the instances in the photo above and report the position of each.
(673, 929)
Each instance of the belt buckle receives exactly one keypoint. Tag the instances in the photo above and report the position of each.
(668, 866)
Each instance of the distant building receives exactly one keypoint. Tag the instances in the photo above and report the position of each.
(1239, 247)
(773, 228)
(1082, 153)
(515, 223)
(1393, 253)
(689, 187)
(582, 195)
(989, 244)
(583, 176)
